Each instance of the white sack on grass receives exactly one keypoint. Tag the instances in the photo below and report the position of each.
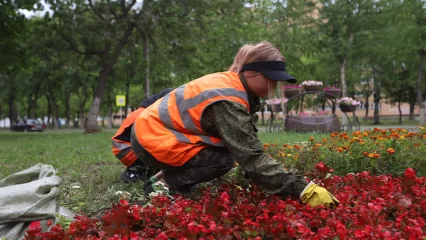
(27, 196)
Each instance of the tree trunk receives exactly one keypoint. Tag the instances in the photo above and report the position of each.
(12, 109)
(412, 107)
(107, 64)
(109, 112)
(30, 96)
(34, 103)
(54, 106)
(55, 110)
(342, 63)
(67, 108)
(377, 89)
(420, 88)
(367, 107)
(127, 98)
(83, 98)
(81, 118)
(49, 109)
(103, 119)
(146, 57)
(400, 111)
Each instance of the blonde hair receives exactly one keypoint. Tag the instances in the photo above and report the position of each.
(263, 51)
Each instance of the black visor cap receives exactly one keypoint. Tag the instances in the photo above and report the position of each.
(274, 70)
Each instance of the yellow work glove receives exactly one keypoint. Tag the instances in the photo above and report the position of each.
(315, 196)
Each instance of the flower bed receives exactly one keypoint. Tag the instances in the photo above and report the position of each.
(371, 207)
(379, 151)
(388, 201)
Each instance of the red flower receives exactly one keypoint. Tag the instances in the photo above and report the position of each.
(371, 207)
(320, 166)
(410, 173)
(34, 225)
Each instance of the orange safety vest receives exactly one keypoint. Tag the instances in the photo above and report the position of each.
(170, 129)
(121, 146)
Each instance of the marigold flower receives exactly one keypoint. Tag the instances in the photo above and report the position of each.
(373, 155)
(390, 150)
(339, 149)
(311, 138)
(365, 153)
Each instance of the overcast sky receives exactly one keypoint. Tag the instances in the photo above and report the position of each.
(46, 8)
(28, 14)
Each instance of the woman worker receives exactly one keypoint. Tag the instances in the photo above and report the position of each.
(196, 132)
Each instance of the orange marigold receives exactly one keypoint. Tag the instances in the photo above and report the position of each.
(390, 150)
(373, 155)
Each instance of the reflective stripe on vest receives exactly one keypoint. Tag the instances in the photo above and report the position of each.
(121, 146)
(170, 129)
(185, 104)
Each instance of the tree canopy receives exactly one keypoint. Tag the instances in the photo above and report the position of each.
(71, 62)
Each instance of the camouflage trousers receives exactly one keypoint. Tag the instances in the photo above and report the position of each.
(208, 164)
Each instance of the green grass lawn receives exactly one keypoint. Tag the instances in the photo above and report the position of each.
(84, 161)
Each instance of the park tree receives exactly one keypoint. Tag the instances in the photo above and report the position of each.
(110, 24)
(412, 23)
(401, 37)
(13, 28)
